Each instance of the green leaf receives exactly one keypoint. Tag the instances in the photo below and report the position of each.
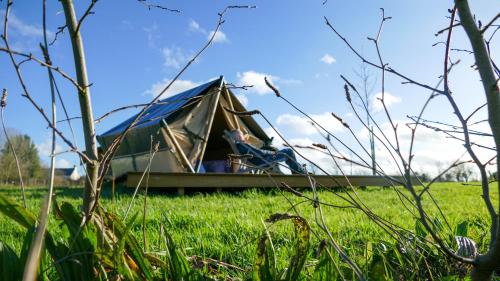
(420, 230)
(11, 267)
(16, 212)
(128, 254)
(437, 225)
(262, 268)
(78, 252)
(327, 267)
(178, 264)
(462, 229)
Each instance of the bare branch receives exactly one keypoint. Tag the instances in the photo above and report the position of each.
(85, 14)
(151, 6)
(3, 104)
(490, 23)
(388, 69)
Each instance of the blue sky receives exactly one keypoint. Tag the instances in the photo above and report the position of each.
(131, 51)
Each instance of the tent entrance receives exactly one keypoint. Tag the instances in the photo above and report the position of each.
(217, 150)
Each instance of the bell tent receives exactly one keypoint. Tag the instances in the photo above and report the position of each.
(188, 128)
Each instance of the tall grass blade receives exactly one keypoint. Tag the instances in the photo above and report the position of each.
(16, 212)
(11, 267)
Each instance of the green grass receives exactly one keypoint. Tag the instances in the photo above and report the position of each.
(226, 226)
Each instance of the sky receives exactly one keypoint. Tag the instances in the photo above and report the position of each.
(133, 51)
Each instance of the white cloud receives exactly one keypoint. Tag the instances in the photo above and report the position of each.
(243, 99)
(194, 26)
(277, 141)
(302, 126)
(389, 100)
(317, 156)
(322, 160)
(23, 36)
(45, 148)
(220, 37)
(433, 151)
(328, 59)
(257, 80)
(152, 35)
(174, 57)
(63, 163)
(18, 26)
(177, 87)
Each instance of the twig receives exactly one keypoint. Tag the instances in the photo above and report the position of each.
(242, 87)
(152, 152)
(150, 6)
(3, 104)
(85, 14)
(388, 69)
(35, 252)
(490, 23)
(60, 30)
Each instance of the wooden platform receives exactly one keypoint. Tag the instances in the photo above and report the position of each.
(221, 181)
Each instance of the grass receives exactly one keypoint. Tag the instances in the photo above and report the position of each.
(227, 226)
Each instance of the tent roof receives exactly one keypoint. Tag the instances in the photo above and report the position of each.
(162, 109)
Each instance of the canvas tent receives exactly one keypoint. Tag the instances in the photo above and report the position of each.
(188, 127)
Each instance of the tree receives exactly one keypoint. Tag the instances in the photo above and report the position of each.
(367, 82)
(484, 264)
(29, 160)
(461, 173)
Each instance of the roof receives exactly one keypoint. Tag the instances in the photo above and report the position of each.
(162, 109)
(64, 171)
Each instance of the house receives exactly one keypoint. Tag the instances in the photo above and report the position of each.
(67, 174)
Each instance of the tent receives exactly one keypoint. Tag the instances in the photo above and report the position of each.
(188, 128)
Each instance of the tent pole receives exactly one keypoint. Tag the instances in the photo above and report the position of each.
(178, 148)
(230, 102)
(210, 122)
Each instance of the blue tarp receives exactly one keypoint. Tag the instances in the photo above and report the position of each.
(163, 109)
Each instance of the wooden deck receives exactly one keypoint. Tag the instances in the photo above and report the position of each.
(181, 181)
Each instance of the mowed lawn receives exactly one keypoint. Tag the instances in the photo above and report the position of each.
(226, 226)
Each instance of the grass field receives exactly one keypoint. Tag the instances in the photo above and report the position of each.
(226, 226)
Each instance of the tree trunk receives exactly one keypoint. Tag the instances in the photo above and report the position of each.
(92, 168)
(485, 264)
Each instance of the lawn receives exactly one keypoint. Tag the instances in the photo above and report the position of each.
(227, 226)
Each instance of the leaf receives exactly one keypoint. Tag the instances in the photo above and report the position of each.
(302, 234)
(11, 267)
(462, 228)
(128, 252)
(80, 246)
(16, 212)
(327, 268)
(437, 225)
(369, 252)
(178, 264)
(420, 230)
(261, 269)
